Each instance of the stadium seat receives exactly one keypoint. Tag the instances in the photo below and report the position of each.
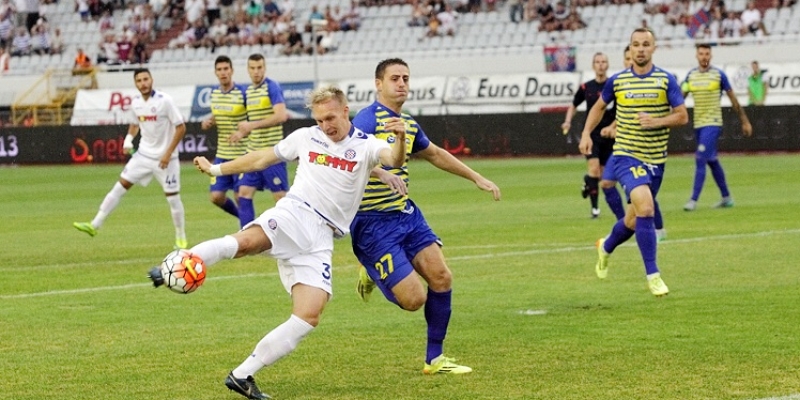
(770, 15)
(779, 27)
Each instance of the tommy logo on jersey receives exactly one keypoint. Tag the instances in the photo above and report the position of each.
(333, 161)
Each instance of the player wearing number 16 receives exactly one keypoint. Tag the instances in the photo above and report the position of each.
(334, 162)
(649, 103)
(162, 128)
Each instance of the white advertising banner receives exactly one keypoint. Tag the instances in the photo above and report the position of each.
(424, 92)
(783, 79)
(112, 107)
(541, 88)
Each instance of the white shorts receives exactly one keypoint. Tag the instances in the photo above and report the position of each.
(302, 242)
(140, 170)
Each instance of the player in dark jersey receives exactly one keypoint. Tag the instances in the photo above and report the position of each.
(601, 146)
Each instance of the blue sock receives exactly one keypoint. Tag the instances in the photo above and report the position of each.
(699, 177)
(719, 177)
(247, 212)
(619, 234)
(437, 315)
(614, 202)
(646, 239)
(230, 207)
(658, 220)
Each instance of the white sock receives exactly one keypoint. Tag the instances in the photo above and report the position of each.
(178, 218)
(277, 344)
(109, 204)
(216, 250)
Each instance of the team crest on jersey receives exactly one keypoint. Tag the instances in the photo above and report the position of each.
(272, 224)
(333, 161)
(390, 139)
(152, 109)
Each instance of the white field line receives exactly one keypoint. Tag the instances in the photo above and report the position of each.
(795, 396)
(452, 258)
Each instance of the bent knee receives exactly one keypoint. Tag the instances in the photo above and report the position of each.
(412, 304)
(605, 184)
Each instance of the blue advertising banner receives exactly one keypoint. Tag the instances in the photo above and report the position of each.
(294, 93)
(201, 103)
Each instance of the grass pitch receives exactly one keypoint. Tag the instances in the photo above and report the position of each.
(78, 319)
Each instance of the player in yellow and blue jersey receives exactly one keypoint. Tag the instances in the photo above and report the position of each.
(649, 103)
(608, 182)
(228, 109)
(707, 83)
(390, 235)
(266, 113)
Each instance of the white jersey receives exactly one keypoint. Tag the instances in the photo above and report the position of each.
(157, 119)
(331, 176)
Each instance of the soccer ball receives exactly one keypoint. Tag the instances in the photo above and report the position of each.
(183, 272)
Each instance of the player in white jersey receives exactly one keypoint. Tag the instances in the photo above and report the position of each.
(162, 128)
(334, 163)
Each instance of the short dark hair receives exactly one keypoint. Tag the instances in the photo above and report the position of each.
(256, 57)
(627, 49)
(381, 68)
(223, 59)
(703, 46)
(645, 30)
(138, 71)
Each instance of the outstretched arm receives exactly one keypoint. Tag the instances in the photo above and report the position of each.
(747, 129)
(592, 119)
(445, 161)
(253, 161)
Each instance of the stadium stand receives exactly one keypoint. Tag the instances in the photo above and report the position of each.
(387, 26)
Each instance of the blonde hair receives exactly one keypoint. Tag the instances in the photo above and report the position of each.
(326, 93)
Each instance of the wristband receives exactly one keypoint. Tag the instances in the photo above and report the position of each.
(215, 170)
(128, 143)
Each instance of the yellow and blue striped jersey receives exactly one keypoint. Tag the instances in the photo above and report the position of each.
(229, 109)
(654, 93)
(706, 87)
(260, 102)
(372, 120)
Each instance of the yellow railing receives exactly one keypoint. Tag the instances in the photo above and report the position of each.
(49, 101)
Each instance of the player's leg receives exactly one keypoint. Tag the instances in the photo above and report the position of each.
(658, 222)
(700, 161)
(218, 188)
(424, 248)
(592, 182)
(608, 184)
(136, 170)
(710, 139)
(307, 305)
(643, 202)
(304, 251)
(170, 179)
(246, 192)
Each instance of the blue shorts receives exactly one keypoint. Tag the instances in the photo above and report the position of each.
(707, 137)
(386, 242)
(608, 171)
(275, 178)
(632, 173)
(225, 182)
